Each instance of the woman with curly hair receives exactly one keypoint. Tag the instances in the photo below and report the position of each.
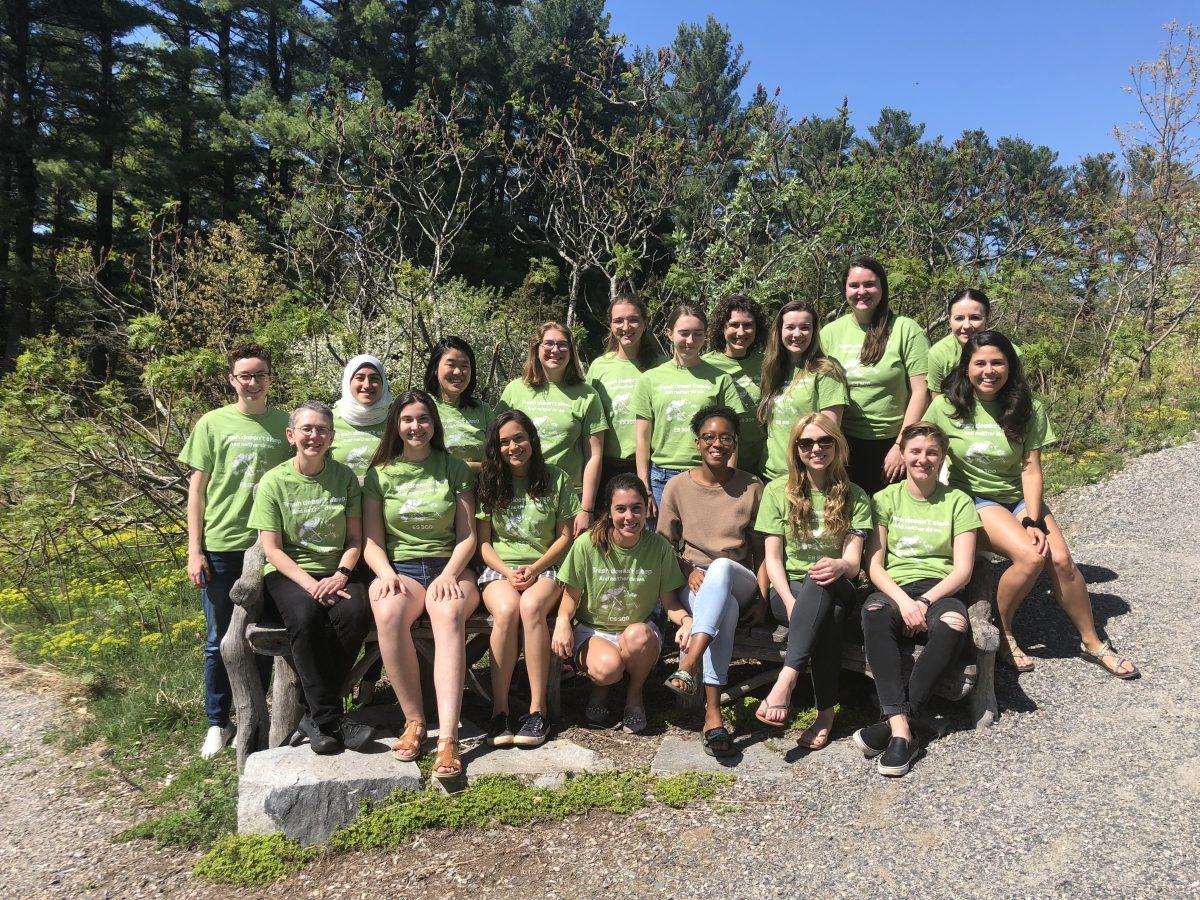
(736, 334)
(815, 521)
(997, 431)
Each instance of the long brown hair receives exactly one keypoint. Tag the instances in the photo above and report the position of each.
(647, 353)
(880, 326)
(601, 533)
(678, 311)
(534, 375)
(391, 445)
(800, 488)
(777, 369)
(494, 488)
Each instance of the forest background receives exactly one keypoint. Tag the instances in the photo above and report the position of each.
(331, 177)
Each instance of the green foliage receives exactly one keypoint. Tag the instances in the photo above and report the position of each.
(253, 860)
(206, 791)
(680, 790)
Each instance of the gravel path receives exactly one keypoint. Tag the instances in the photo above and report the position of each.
(1086, 787)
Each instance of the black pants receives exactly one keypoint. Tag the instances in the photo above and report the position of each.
(865, 466)
(883, 632)
(815, 632)
(325, 640)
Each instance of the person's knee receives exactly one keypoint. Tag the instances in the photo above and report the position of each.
(1028, 561)
(875, 613)
(720, 568)
(637, 639)
(532, 607)
(505, 612)
(446, 614)
(605, 669)
(1064, 566)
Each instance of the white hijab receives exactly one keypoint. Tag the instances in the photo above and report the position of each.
(349, 408)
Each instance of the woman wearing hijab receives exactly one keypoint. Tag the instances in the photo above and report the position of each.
(359, 417)
(359, 413)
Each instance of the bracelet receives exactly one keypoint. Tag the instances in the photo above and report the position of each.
(1039, 524)
(590, 512)
(924, 600)
(687, 616)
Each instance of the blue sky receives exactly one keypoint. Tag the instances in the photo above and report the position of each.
(1051, 72)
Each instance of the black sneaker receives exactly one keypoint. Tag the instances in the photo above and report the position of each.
(498, 732)
(320, 741)
(533, 731)
(873, 739)
(898, 758)
(354, 735)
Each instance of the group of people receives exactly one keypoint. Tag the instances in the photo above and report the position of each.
(590, 508)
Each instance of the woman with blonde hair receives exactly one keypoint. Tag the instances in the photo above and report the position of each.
(815, 521)
(566, 412)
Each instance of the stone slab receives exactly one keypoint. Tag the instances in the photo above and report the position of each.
(544, 766)
(757, 758)
(307, 797)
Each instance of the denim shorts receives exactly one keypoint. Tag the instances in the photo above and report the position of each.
(1016, 507)
(421, 570)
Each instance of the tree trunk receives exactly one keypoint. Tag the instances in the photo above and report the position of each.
(225, 67)
(25, 182)
(573, 295)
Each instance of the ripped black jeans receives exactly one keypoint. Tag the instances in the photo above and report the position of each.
(884, 630)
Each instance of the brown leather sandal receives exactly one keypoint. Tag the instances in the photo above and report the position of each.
(408, 746)
(447, 758)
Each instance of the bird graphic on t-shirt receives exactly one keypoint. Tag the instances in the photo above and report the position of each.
(243, 464)
(909, 542)
(309, 531)
(676, 411)
(977, 449)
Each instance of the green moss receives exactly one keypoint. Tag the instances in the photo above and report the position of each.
(253, 860)
(687, 787)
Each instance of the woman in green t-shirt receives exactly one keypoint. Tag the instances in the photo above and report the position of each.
(526, 510)
(668, 396)
(308, 512)
(628, 353)
(419, 515)
(450, 381)
(359, 412)
(997, 431)
(884, 358)
(815, 521)
(566, 412)
(612, 578)
(919, 558)
(736, 333)
(797, 378)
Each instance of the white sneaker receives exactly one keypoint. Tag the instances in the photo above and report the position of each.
(216, 740)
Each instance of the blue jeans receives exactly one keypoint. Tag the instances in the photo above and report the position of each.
(421, 570)
(728, 588)
(225, 567)
(658, 481)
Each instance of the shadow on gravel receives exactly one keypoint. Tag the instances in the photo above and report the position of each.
(1097, 574)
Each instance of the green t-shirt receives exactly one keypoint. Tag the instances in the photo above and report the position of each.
(943, 357)
(465, 428)
(921, 533)
(878, 393)
(808, 392)
(309, 513)
(565, 415)
(525, 529)
(799, 555)
(747, 375)
(668, 396)
(235, 451)
(614, 380)
(419, 502)
(621, 587)
(354, 445)
(983, 461)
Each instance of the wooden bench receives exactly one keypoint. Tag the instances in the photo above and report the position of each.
(259, 728)
(973, 675)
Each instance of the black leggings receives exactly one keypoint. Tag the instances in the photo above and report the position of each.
(865, 466)
(325, 640)
(815, 632)
(883, 632)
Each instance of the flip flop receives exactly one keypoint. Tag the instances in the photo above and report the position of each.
(1014, 653)
(686, 686)
(782, 723)
(817, 744)
(718, 743)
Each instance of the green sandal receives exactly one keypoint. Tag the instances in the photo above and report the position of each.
(686, 686)
(1105, 651)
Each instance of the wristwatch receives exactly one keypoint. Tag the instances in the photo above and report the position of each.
(1039, 524)
(345, 571)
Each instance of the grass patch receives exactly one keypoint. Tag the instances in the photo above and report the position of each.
(253, 860)
(687, 787)
(207, 793)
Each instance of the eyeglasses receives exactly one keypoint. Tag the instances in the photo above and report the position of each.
(310, 430)
(725, 440)
(250, 377)
(805, 445)
(555, 345)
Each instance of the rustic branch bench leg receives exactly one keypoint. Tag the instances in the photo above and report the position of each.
(286, 707)
(369, 658)
(986, 637)
(249, 701)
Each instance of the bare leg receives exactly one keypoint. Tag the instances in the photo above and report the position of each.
(503, 602)
(639, 649)
(394, 618)
(536, 602)
(448, 619)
